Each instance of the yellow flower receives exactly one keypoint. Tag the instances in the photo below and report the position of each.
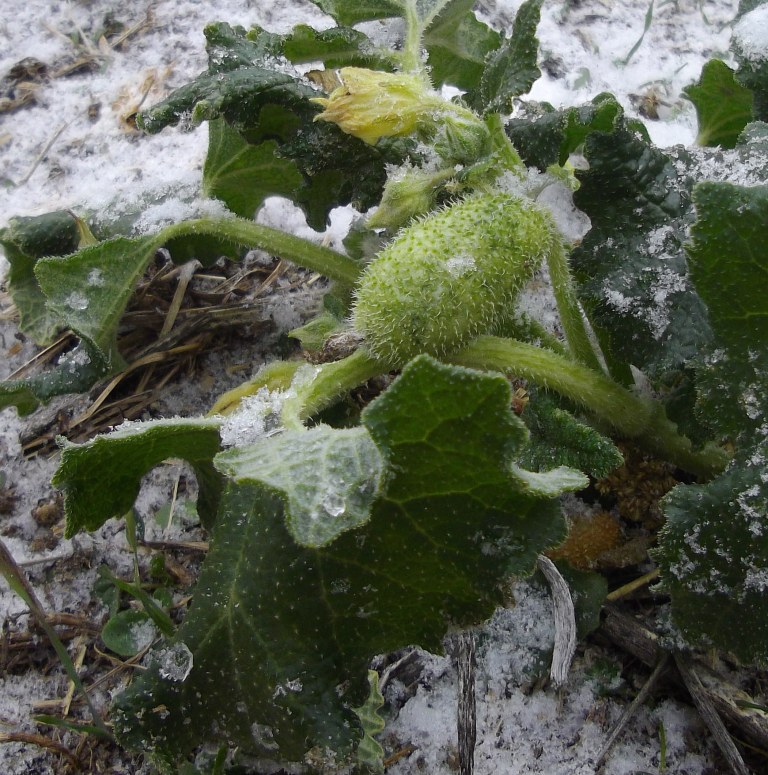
(370, 104)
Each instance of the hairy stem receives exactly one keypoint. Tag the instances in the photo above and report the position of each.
(330, 382)
(631, 416)
(569, 309)
(502, 146)
(327, 262)
(411, 56)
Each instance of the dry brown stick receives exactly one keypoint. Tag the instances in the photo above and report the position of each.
(710, 717)
(637, 640)
(466, 719)
(43, 742)
(630, 711)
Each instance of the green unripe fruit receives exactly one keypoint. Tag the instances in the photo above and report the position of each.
(451, 276)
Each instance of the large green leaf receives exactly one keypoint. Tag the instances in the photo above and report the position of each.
(350, 12)
(101, 478)
(243, 175)
(280, 635)
(631, 265)
(723, 106)
(335, 47)
(714, 548)
(512, 68)
(25, 240)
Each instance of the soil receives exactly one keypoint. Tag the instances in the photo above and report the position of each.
(72, 76)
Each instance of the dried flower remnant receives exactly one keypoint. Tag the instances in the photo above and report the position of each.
(590, 536)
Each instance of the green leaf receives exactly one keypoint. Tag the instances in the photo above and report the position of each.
(545, 136)
(336, 47)
(265, 105)
(101, 478)
(281, 635)
(128, 632)
(243, 175)
(329, 478)
(729, 261)
(512, 68)
(76, 372)
(89, 290)
(558, 438)
(713, 550)
(24, 241)
(631, 266)
(350, 12)
(458, 45)
(723, 106)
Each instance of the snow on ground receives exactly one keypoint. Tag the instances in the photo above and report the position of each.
(74, 147)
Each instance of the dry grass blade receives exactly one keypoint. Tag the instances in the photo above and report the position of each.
(42, 742)
(630, 711)
(466, 721)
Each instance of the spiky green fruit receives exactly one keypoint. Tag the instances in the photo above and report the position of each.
(451, 276)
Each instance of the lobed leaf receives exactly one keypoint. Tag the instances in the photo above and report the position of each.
(723, 105)
(281, 634)
(102, 477)
(512, 68)
(243, 175)
(329, 478)
(25, 240)
(713, 551)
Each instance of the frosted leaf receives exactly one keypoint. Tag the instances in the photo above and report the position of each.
(175, 662)
(750, 34)
(96, 278)
(256, 417)
(77, 300)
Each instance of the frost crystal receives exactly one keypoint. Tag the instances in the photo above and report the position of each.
(256, 417)
(175, 662)
(77, 300)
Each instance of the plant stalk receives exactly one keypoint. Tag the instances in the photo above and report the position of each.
(569, 309)
(633, 417)
(331, 381)
(333, 265)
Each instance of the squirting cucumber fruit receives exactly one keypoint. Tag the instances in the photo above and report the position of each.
(451, 276)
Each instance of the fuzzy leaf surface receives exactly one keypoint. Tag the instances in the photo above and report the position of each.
(457, 44)
(243, 175)
(101, 478)
(329, 478)
(25, 240)
(714, 548)
(281, 634)
(89, 290)
(631, 265)
(723, 105)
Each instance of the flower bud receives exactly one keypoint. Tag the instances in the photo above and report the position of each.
(404, 197)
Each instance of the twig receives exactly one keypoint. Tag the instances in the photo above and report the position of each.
(632, 586)
(565, 621)
(710, 717)
(466, 720)
(19, 584)
(630, 711)
(43, 742)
